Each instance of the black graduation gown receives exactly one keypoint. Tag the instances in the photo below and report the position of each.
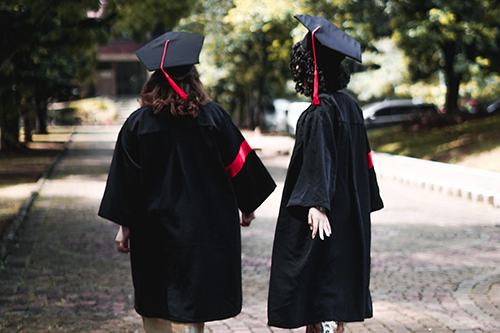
(178, 182)
(313, 280)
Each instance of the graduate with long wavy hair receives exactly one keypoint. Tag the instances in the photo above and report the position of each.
(180, 174)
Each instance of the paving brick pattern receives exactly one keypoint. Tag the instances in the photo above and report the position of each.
(436, 258)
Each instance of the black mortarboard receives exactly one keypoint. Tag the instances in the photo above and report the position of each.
(172, 52)
(332, 40)
(330, 36)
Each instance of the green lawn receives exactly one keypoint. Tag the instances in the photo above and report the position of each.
(451, 143)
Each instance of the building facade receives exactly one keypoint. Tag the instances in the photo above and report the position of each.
(119, 72)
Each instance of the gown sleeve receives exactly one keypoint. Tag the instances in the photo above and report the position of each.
(120, 202)
(251, 181)
(316, 179)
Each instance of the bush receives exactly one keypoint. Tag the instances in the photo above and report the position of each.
(97, 110)
(63, 116)
(92, 111)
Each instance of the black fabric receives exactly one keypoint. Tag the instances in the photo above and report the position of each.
(314, 280)
(168, 183)
(330, 37)
(183, 49)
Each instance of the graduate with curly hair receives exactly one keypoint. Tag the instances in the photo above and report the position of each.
(320, 270)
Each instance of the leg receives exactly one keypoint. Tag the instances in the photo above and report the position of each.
(159, 325)
(315, 328)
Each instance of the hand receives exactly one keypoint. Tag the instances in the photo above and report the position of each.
(246, 219)
(318, 221)
(122, 240)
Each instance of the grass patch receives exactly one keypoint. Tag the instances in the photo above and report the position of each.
(21, 168)
(451, 143)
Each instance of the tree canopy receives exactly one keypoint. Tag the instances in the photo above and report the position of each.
(248, 43)
(255, 55)
(461, 39)
(147, 19)
(48, 49)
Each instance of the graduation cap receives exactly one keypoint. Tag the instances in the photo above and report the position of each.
(173, 52)
(331, 38)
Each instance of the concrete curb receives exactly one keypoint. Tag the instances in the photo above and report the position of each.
(11, 232)
(478, 194)
(449, 179)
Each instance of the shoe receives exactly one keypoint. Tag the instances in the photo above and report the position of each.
(326, 327)
(329, 327)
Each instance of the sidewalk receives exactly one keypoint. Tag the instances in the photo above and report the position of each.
(433, 272)
(447, 179)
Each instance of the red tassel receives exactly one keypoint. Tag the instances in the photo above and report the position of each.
(172, 83)
(315, 91)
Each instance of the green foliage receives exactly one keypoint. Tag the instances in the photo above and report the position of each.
(98, 110)
(385, 81)
(246, 52)
(424, 28)
(393, 80)
(362, 20)
(148, 18)
(207, 19)
(90, 111)
(446, 144)
(484, 88)
(48, 49)
(459, 38)
(455, 43)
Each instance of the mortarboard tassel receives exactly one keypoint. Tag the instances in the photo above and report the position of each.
(172, 83)
(315, 92)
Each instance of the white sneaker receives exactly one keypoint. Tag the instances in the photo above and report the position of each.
(328, 327)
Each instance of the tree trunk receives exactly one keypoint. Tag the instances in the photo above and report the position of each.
(258, 105)
(236, 110)
(251, 105)
(9, 121)
(41, 115)
(29, 120)
(452, 79)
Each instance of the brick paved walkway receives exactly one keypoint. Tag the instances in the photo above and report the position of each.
(436, 258)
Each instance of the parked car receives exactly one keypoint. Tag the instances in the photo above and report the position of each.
(287, 114)
(393, 112)
(269, 119)
(294, 111)
(495, 106)
(470, 108)
(469, 105)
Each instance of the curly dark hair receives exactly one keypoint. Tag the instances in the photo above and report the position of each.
(158, 95)
(333, 73)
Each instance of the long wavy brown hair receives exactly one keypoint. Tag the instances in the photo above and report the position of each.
(158, 95)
